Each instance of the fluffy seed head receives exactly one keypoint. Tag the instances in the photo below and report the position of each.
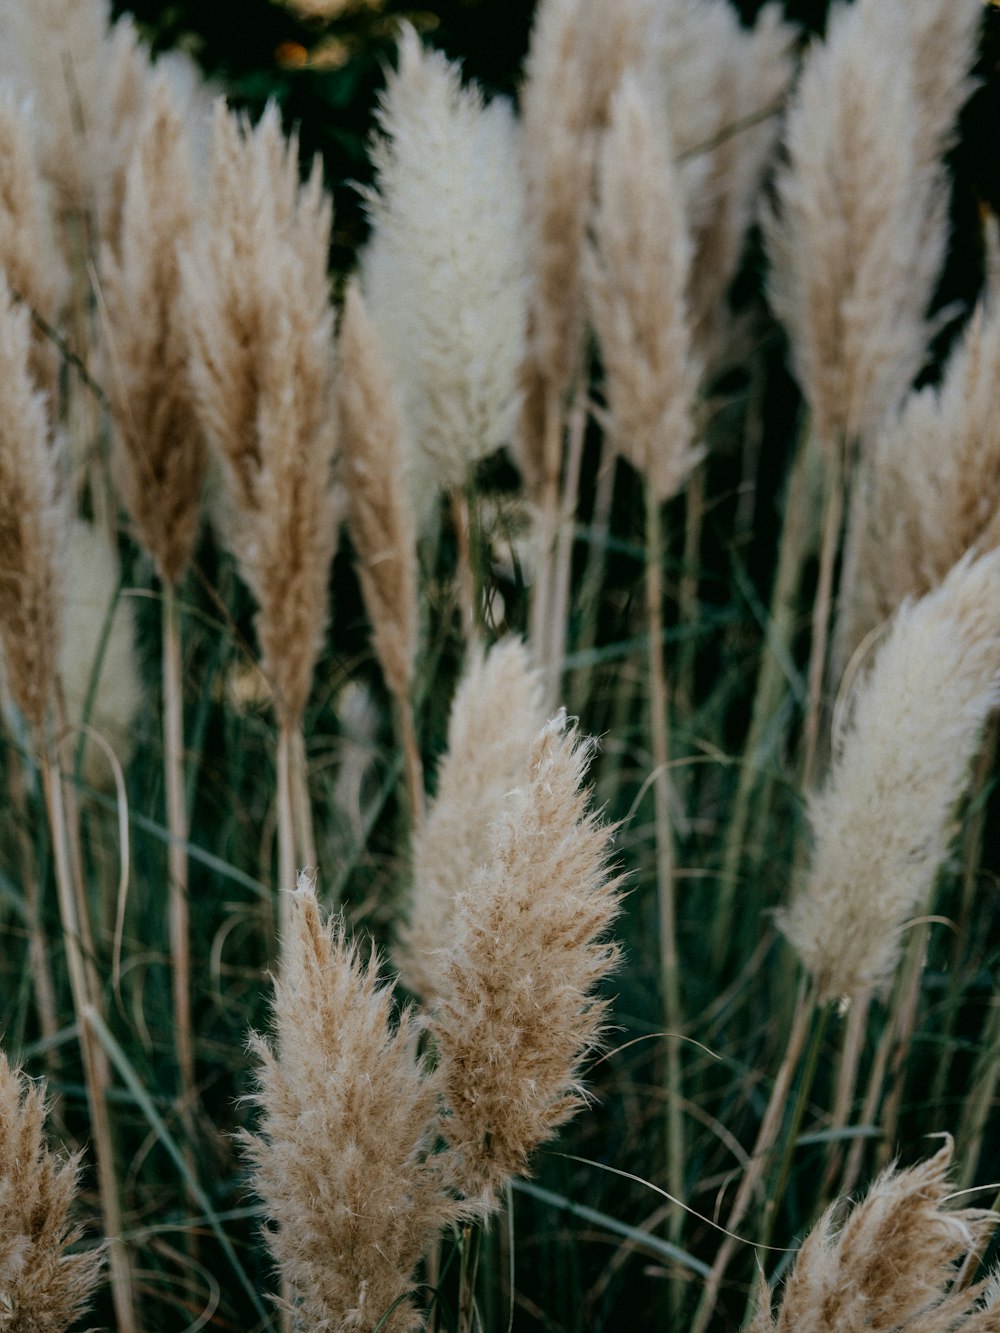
(881, 824)
(443, 276)
(520, 1010)
(495, 718)
(888, 1264)
(349, 1112)
(45, 1286)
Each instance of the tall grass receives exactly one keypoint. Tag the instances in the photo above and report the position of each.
(652, 402)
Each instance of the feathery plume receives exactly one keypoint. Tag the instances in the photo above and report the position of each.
(637, 273)
(859, 229)
(379, 517)
(89, 77)
(349, 1116)
(928, 492)
(43, 1287)
(495, 717)
(28, 252)
(260, 321)
(443, 276)
(881, 824)
(31, 524)
(161, 449)
(109, 703)
(520, 1010)
(889, 1265)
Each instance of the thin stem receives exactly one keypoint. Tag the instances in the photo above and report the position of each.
(833, 516)
(95, 1069)
(766, 1137)
(855, 1030)
(978, 1104)
(593, 574)
(688, 605)
(286, 820)
(464, 571)
(298, 776)
(177, 826)
(905, 1024)
(563, 566)
(772, 677)
(659, 726)
(547, 520)
(873, 1095)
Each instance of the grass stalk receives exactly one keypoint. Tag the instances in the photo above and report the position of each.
(665, 870)
(547, 524)
(305, 839)
(796, 535)
(94, 1068)
(905, 1025)
(563, 563)
(413, 768)
(464, 574)
(177, 825)
(978, 1103)
(766, 1138)
(688, 606)
(855, 1031)
(286, 818)
(833, 516)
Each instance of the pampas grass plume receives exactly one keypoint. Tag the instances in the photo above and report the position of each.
(443, 276)
(161, 447)
(349, 1115)
(858, 233)
(379, 515)
(495, 718)
(31, 524)
(882, 822)
(530, 949)
(43, 1287)
(889, 1263)
(637, 275)
(261, 326)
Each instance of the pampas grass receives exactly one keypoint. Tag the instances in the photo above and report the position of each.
(45, 1284)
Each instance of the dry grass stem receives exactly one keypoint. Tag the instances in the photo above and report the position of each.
(882, 822)
(495, 717)
(261, 325)
(349, 1115)
(44, 1287)
(521, 1009)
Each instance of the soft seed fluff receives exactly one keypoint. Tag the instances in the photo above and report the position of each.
(859, 229)
(98, 663)
(43, 1287)
(32, 523)
(348, 1120)
(261, 326)
(495, 718)
(379, 514)
(161, 449)
(882, 822)
(637, 276)
(888, 1264)
(531, 947)
(443, 275)
(929, 490)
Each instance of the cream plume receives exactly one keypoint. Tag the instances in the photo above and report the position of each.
(161, 448)
(43, 1287)
(443, 275)
(261, 326)
(32, 523)
(495, 717)
(349, 1117)
(521, 1010)
(882, 822)
(859, 230)
(889, 1263)
(637, 276)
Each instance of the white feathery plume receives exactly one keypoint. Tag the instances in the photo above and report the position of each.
(443, 276)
